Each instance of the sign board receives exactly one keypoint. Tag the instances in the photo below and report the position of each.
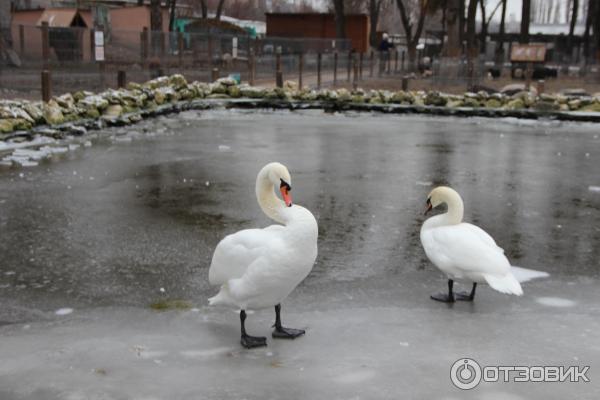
(99, 38)
(99, 53)
(234, 46)
(99, 45)
(528, 53)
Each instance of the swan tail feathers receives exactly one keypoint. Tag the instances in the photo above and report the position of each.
(221, 298)
(524, 274)
(505, 284)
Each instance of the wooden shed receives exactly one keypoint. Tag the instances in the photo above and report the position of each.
(320, 26)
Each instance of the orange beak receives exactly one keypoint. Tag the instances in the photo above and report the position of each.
(429, 207)
(285, 194)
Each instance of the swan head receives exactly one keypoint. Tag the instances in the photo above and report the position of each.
(280, 177)
(440, 195)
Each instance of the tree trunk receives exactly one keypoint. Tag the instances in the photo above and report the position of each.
(340, 22)
(500, 42)
(572, 26)
(588, 25)
(219, 9)
(204, 9)
(471, 34)
(483, 33)
(411, 51)
(525, 19)
(374, 9)
(412, 38)
(172, 15)
(155, 16)
(453, 46)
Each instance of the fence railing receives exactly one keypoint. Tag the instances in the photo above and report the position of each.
(71, 57)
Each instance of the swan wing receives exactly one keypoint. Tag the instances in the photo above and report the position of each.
(467, 248)
(236, 252)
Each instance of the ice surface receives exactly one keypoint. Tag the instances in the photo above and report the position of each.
(105, 247)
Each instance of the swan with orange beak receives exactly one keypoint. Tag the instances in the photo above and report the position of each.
(259, 268)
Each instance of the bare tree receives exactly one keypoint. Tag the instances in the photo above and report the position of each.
(483, 31)
(525, 20)
(413, 25)
(374, 10)
(501, 32)
(172, 8)
(453, 47)
(573, 22)
(219, 9)
(340, 21)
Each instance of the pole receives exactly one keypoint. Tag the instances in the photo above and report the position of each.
(349, 66)
(180, 48)
(45, 44)
(300, 67)
(335, 62)
(278, 72)
(121, 79)
(371, 62)
(46, 86)
(319, 56)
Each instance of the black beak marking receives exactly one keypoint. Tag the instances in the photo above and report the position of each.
(285, 185)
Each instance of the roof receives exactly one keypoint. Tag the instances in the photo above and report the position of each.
(58, 17)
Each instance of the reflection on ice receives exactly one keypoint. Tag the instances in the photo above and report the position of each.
(555, 302)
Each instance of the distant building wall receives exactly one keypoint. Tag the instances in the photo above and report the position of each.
(313, 25)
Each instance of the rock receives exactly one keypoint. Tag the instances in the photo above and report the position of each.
(574, 92)
(547, 97)
(470, 102)
(113, 111)
(574, 104)
(35, 111)
(290, 85)
(76, 130)
(53, 114)
(454, 103)
(65, 101)
(545, 106)
(252, 92)
(92, 112)
(435, 99)
(177, 81)
(493, 103)
(234, 91)
(6, 125)
(514, 88)
(515, 104)
(94, 101)
(159, 97)
(157, 83)
(217, 88)
(134, 86)
(226, 82)
(593, 107)
(483, 95)
(343, 95)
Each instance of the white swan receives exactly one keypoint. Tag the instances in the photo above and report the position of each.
(466, 252)
(258, 268)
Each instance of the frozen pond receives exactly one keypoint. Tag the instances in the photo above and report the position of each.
(92, 237)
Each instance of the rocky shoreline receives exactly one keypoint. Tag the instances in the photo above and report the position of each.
(76, 113)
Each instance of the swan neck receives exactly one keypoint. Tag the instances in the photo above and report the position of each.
(268, 201)
(456, 209)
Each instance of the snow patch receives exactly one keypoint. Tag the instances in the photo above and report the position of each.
(555, 302)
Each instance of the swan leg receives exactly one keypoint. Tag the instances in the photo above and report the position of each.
(463, 296)
(445, 298)
(248, 341)
(284, 333)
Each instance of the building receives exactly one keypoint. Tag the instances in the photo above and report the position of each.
(321, 26)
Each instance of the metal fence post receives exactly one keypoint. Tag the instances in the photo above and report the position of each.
(404, 83)
(319, 57)
(214, 74)
(300, 68)
(278, 72)
(360, 65)
(121, 79)
(395, 61)
(180, 48)
(402, 65)
(355, 75)
(46, 86)
(371, 62)
(22, 39)
(45, 44)
(349, 66)
(335, 62)
(251, 66)
(144, 42)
